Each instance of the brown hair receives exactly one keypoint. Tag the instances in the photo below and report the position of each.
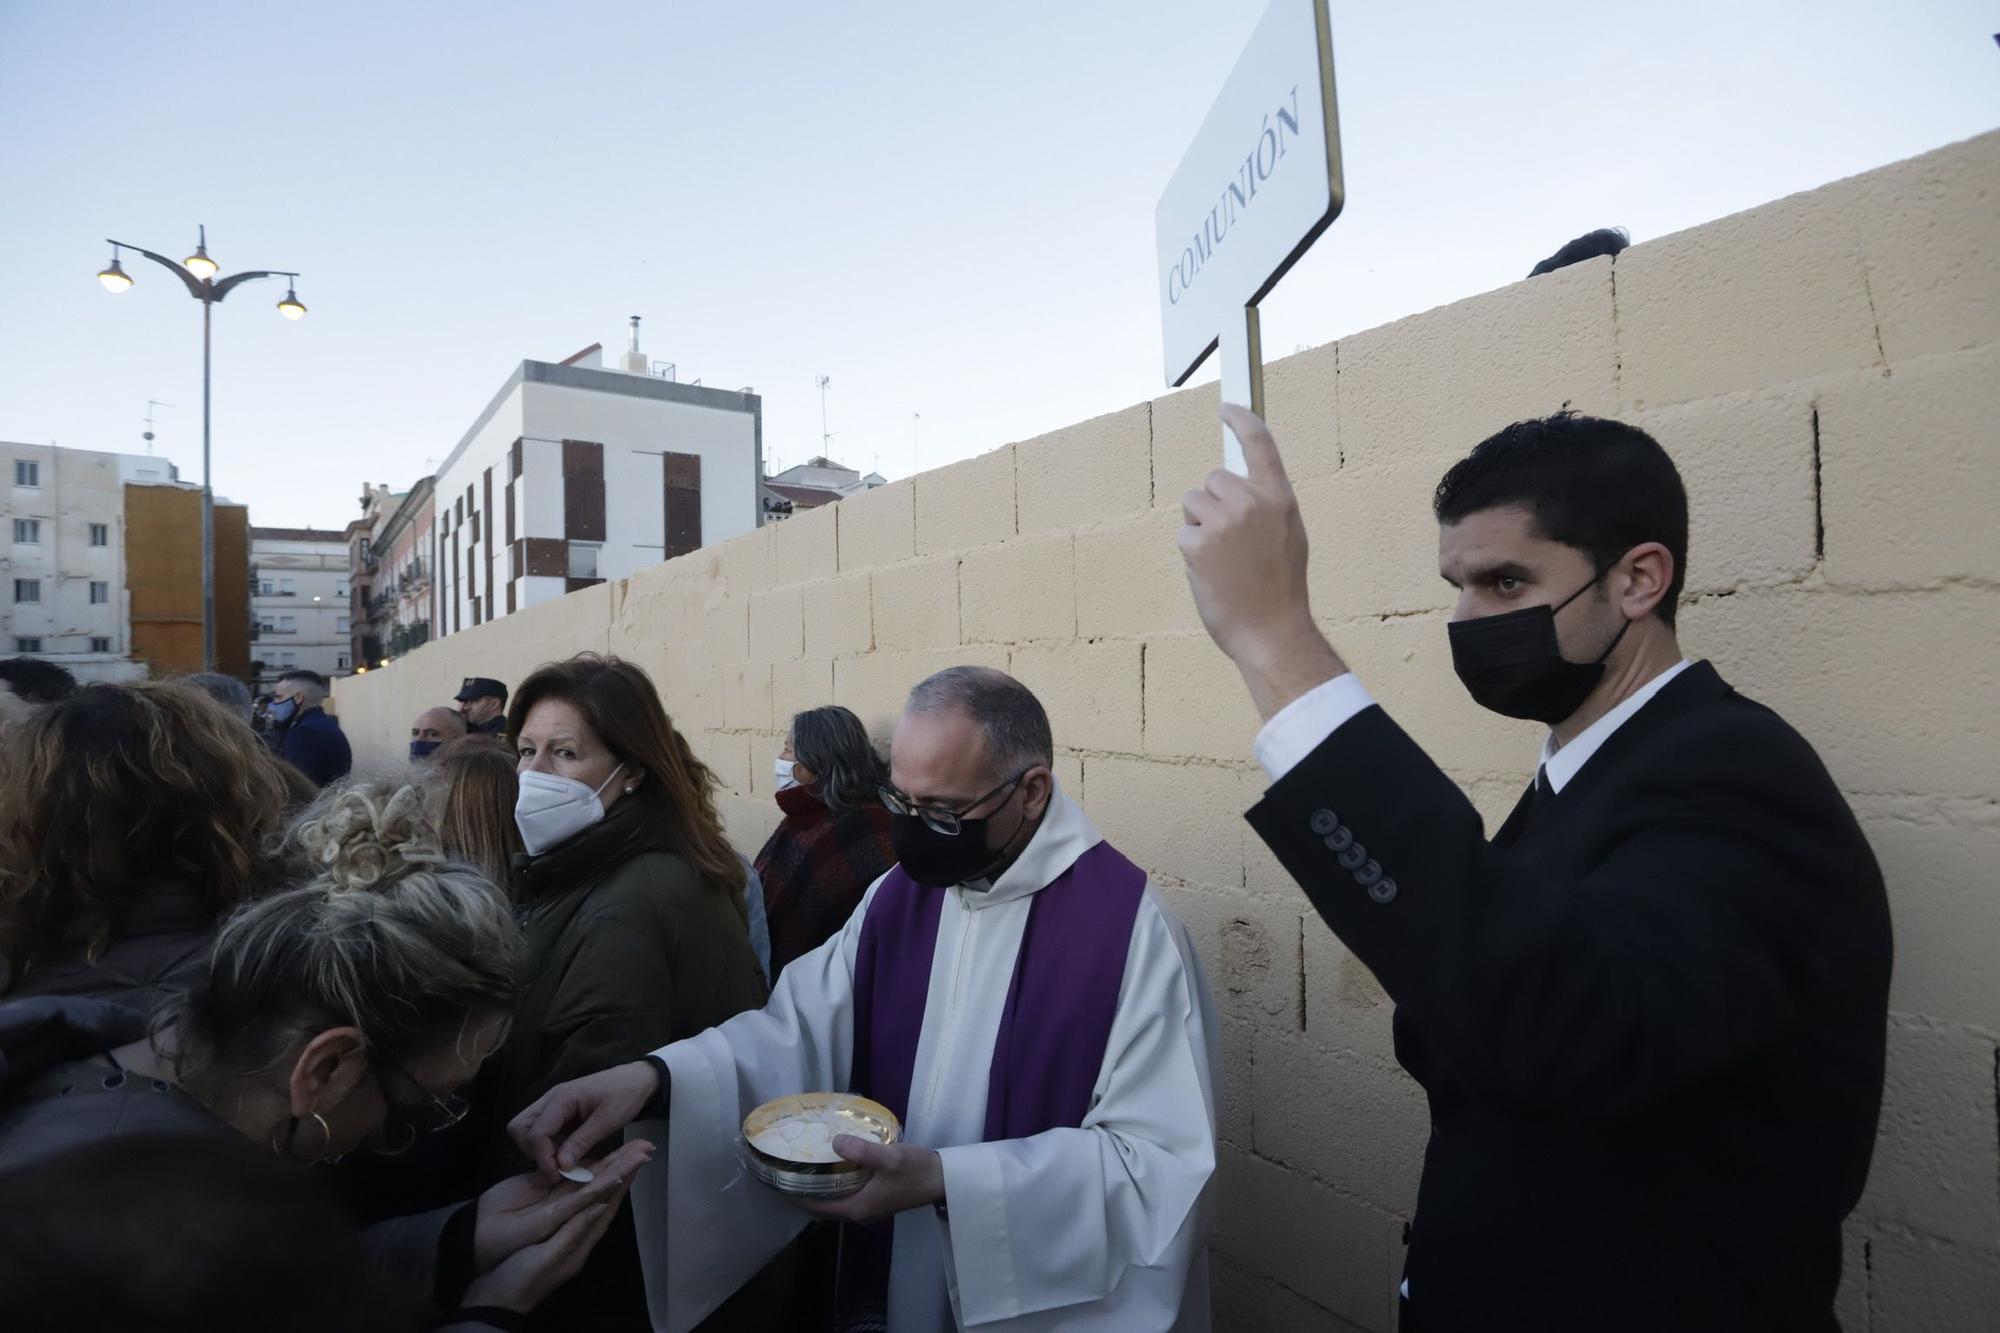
(473, 787)
(118, 786)
(618, 701)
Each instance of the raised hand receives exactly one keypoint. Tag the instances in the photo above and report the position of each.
(1245, 547)
(587, 1111)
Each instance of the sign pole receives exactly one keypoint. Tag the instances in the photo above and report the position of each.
(1240, 352)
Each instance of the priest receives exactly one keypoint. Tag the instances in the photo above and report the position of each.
(1022, 999)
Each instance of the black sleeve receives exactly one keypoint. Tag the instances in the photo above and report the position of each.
(454, 1258)
(1674, 957)
(657, 1108)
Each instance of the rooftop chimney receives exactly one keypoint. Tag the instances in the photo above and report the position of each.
(634, 360)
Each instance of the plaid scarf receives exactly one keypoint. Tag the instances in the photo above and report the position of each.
(815, 869)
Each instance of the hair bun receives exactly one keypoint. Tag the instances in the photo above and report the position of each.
(358, 841)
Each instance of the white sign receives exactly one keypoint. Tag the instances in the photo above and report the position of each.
(1259, 184)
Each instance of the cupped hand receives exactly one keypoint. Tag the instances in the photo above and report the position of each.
(525, 1210)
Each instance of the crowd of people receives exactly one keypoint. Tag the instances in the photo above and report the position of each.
(468, 1044)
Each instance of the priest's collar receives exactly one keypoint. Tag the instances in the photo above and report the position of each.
(1066, 834)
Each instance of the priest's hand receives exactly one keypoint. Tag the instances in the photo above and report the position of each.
(1245, 547)
(587, 1110)
(901, 1176)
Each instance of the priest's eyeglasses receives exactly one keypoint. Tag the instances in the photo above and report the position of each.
(938, 818)
(400, 1128)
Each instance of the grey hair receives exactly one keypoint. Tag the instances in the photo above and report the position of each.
(387, 936)
(228, 691)
(1011, 718)
(834, 745)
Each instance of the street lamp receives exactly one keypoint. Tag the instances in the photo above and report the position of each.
(198, 273)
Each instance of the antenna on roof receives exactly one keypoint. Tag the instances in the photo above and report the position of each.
(151, 403)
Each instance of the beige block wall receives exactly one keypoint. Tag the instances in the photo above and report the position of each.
(1825, 370)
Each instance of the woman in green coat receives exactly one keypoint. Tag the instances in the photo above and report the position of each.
(632, 901)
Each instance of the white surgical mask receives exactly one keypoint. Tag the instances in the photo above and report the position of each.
(783, 772)
(552, 809)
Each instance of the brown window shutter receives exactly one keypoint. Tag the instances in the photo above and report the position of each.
(510, 515)
(457, 593)
(515, 566)
(682, 474)
(546, 557)
(511, 608)
(514, 461)
(583, 491)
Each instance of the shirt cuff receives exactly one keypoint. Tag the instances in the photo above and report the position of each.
(1302, 725)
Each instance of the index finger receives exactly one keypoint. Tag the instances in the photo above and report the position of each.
(1260, 449)
(534, 1132)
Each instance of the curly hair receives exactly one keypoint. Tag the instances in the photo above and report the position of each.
(618, 701)
(118, 787)
(390, 937)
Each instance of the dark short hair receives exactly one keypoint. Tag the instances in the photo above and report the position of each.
(1600, 486)
(1603, 241)
(37, 681)
(312, 678)
(832, 742)
(1012, 719)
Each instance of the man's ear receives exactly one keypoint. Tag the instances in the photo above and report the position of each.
(1646, 573)
(1038, 788)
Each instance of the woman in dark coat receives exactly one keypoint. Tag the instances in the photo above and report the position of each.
(632, 900)
(834, 840)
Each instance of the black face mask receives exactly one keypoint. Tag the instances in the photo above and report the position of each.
(940, 860)
(1513, 664)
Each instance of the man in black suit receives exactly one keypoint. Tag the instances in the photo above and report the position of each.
(1650, 1013)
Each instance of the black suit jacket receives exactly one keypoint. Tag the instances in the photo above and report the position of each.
(1649, 1015)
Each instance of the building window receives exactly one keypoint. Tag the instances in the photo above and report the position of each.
(288, 624)
(583, 559)
(100, 592)
(27, 590)
(341, 662)
(100, 534)
(27, 645)
(26, 473)
(286, 588)
(341, 628)
(265, 587)
(100, 645)
(340, 590)
(288, 659)
(28, 532)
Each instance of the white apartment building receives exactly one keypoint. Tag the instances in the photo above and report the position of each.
(298, 602)
(62, 568)
(576, 473)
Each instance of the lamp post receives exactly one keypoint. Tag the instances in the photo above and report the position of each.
(198, 272)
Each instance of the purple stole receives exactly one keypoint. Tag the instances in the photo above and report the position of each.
(1050, 1046)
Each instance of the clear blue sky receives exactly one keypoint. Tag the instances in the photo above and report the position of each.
(945, 207)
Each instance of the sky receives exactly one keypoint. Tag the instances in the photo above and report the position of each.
(945, 208)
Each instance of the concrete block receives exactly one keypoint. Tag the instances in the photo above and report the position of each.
(1910, 470)
(1246, 1300)
(1937, 1155)
(1196, 702)
(966, 504)
(1250, 948)
(877, 527)
(916, 604)
(1747, 462)
(747, 822)
(746, 696)
(1068, 769)
(777, 625)
(744, 564)
(1931, 245)
(877, 686)
(1373, 541)
(798, 686)
(1234, 1110)
(1091, 691)
(1938, 859)
(1187, 441)
(1085, 473)
(727, 754)
(1345, 1006)
(1302, 408)
(1183, 821)
(1354, 1122)
(1130, 579)
(1440, 382)
(1763, 297)
(805, 548)
(1922, 1284)
(1802, 652)
(725, 631)
(839, 616)
(1019, 591)
(1333, 1250)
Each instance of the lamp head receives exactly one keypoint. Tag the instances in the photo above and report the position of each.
(115, 278)
(291, 307)
(199, 263)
